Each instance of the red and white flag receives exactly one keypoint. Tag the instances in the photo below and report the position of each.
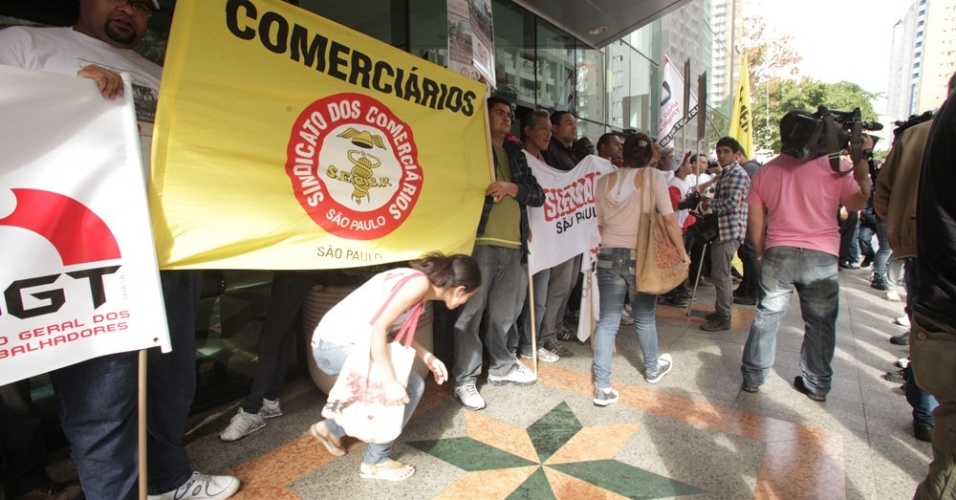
(79, 266)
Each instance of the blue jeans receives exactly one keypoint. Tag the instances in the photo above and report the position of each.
(329, 358)
(97, 405)
(615, 273)
(503, 281)
(882, 255)
(813, 275)
(922, 402)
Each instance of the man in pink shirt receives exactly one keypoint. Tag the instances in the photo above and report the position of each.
(799, 250)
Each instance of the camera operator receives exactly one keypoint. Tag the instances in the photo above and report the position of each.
(799, 249)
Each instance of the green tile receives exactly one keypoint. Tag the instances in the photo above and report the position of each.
(536, 487)
(626, 480)
(553, 430)
(470, 455)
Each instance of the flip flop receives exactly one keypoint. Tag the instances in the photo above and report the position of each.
(389, 470)
(321, 433)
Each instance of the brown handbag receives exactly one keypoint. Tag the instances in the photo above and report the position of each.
(659, 268)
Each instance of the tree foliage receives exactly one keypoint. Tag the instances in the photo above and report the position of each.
(770, 56)
(776, 86)
(776, 97)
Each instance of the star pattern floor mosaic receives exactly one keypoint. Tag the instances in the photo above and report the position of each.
(547, 451)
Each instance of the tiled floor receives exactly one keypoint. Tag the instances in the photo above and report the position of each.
(694, 435)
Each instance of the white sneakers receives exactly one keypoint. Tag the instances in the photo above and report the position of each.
(519, 375)
(903, 320)
(202, 487)
(469, 397)
(243, 424)
(270, 409)
(544, 355)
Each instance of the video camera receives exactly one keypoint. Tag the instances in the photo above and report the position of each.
(805, 136)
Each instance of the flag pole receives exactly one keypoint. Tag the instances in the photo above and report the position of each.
(141, 421)
(534, 333)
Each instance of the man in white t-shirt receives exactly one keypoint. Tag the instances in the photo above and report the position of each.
(98, 397)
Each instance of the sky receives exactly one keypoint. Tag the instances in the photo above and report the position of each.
(840, 40)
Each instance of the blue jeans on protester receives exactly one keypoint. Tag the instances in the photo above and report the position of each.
(330, 357)
(615, 273)
(97, 405)
(922, 402)
(882, 254)
(813, 275)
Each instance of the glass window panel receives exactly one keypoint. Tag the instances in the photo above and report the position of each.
(514, 52)
(617, 80)
(590, 84)
(374, 18)
(555, 64)
(641, 107)
(428, 30)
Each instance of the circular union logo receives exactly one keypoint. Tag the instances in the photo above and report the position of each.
(354, 166)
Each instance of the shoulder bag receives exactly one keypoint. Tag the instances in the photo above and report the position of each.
(357, 400)
(659, 268)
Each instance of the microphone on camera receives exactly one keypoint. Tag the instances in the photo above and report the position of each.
(872, 126)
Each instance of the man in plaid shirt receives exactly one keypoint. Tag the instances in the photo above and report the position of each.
(728, 203)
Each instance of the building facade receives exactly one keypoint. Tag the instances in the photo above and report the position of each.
(923, 59)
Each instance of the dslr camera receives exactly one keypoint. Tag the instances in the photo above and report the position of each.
(805, 135)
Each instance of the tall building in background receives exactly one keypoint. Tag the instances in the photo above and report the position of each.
(725, 26)
(686, 34)
(924, 57)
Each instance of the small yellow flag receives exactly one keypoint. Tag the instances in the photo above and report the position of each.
(286, 141)
(741, 126)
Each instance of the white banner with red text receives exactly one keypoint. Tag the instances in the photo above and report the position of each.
(566, 225)
(79, 269)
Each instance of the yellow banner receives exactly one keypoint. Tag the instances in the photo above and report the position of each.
(741, 128)
(286, 141)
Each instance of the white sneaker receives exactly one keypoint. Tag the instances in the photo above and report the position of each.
(893, 296)
(903, 362)
(241, 425)
(270, 409)
(544, 355)
(469, 397)
(903, 320)
(202, 487)
(664, 365)
(519, 375)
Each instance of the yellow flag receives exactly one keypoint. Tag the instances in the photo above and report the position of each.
(286, 141)
(741, 127)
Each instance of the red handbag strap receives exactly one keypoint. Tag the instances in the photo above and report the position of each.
(407, 332)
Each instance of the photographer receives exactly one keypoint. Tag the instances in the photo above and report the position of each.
(796, 195)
